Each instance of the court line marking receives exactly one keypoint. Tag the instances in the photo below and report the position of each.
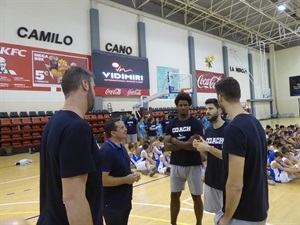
(18, 203)
(150, 181)
(158, 205)
(11, 181)
(156, 219)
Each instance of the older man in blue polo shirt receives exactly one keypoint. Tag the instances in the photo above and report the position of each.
(117, 176)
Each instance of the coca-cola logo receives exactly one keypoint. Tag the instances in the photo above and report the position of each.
(116, 91)
(134, 92)
(209, 83)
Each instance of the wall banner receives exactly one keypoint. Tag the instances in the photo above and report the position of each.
(35, 69)
(294, 86)
(120, 75)
(206, 81)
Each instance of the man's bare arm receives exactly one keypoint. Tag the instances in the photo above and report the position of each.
(110, 181)
(74, 198)
(203, 147)
(168, 145)
(234, 185)
(186, 145)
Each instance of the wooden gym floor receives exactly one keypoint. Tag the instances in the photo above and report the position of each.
(19, 195)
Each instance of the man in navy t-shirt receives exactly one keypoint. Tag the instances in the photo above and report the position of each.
(185, 160)
(165, 121)
(116, 174)
(70, 161)
(212, 148)
(244, 161)
(131, 124)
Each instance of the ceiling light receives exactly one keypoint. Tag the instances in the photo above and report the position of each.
(281, 7)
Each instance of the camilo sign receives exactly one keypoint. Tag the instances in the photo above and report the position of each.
(206, 81)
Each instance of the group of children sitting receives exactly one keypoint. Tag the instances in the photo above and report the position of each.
(150, 159)
(283, 153)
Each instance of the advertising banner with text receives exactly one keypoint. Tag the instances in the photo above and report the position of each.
(206, 81)
(35, 69)
(120, 75)
(294, 86)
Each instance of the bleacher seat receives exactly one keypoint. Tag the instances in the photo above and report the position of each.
(4, 115)
(13, 114)
(49, 113)
(32, 113)
(41, 113)
(23, 114)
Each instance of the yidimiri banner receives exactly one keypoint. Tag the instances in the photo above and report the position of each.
(120, 75)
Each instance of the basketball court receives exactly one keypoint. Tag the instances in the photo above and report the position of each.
(19, 195)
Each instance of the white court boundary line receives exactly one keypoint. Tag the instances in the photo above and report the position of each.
(11, 181)
(19, 203)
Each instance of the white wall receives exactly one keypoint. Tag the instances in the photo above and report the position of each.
(166, 46)
(238, 57)
(287, 65)
(118, 27)
(63, 17)
(204, 47)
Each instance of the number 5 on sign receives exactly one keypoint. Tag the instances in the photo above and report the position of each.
(40, 74)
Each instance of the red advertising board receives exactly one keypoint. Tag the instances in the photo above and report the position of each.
(28, 68)
(206, 81)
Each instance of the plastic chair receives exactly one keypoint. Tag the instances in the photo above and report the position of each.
(49, 113)
(13, 114)
(41, 113)
(32, 114)
(4, 115)
(23, 114)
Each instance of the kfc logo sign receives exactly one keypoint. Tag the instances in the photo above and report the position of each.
(115, 92)
(206, 81)
(134, 92)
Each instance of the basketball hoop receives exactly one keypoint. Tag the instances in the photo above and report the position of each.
(186, 90)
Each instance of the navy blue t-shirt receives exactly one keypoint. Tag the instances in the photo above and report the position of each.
(116, 161)
(68, 149)
(131, 125)
(214, 171)
(165, 123)
(245, 137)
(151, 133)
(183, 130)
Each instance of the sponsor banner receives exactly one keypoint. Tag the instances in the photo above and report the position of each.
(127, 75)
(206, 81)
(167, 76)
(35, 69)
(129, 92)
(294, 86)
